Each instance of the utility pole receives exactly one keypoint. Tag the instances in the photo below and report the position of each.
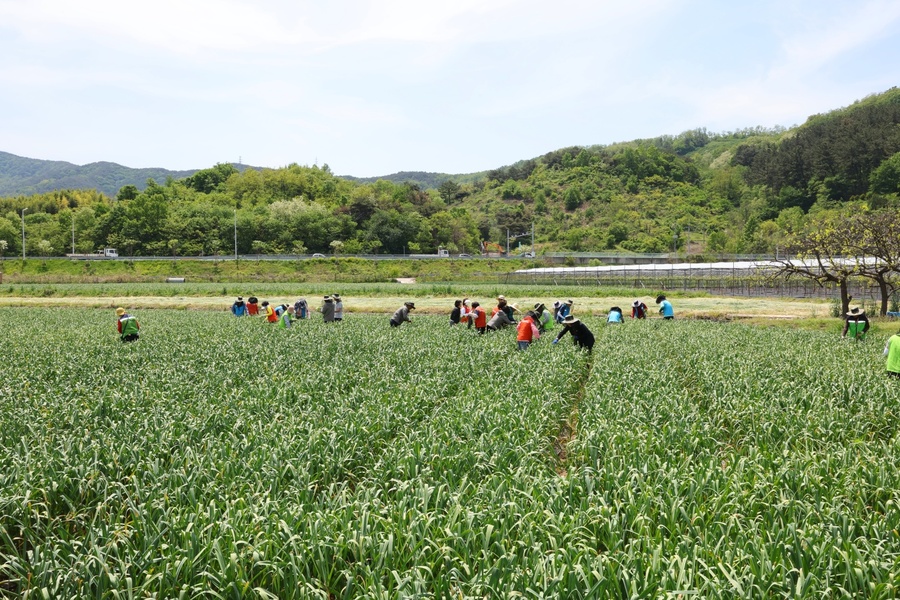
(507, 242)
(533, 250)
(73, 233)
(235, 235)
(23, 233)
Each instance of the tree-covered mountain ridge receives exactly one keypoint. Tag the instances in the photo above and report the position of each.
(27, 176)
(745, 191)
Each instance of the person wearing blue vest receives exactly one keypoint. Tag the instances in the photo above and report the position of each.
(565, 309)
(615, 316)
(665, 307)
(301, 308)
(239, 309)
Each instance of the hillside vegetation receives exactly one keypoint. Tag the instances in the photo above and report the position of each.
(698, 192)
(19, 175)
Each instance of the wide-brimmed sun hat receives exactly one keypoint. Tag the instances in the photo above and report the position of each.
(570, 320)
(636, 303)
(120, 311)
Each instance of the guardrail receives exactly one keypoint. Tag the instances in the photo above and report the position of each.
(553, 256)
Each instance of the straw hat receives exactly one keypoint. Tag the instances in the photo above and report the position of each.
(120, 311)
(570, 320)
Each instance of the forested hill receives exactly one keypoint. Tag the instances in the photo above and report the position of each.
(696, 193)
(19, 175)
(422, 179)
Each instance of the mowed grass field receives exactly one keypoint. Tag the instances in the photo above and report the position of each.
(228, 458)
(431, 298)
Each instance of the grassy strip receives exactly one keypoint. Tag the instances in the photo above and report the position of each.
(347, 270)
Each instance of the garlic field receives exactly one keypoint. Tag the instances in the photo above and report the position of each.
(227, 458)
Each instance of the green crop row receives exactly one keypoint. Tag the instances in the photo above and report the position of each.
(229, 458)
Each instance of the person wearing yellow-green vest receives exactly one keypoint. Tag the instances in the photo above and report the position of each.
(892, 351)
(127, 326)
(544, 318)
(856, 323)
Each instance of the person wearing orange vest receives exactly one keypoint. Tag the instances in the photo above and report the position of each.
(478, 317)
(526, 331)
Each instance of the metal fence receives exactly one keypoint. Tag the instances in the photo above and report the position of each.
(721, 282)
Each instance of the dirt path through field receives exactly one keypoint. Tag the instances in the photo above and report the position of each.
(718, 308)
(568, 427)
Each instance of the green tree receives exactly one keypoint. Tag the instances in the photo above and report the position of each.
(127, 192)
(259, 247)
(44, 248)
(208, 180)
(449, 191)
(572, 198)
(886, 178)
(817, 253)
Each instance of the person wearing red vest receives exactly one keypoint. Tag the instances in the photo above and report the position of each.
(526, 331)
(479, 317)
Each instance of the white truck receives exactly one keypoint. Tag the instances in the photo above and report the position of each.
(441, 253)
(105, 253)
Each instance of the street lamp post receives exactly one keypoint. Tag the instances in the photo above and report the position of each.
(23, 233)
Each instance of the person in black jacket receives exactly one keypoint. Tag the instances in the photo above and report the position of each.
(581, 335)
(456, 313)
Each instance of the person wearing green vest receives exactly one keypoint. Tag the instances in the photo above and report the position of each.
(544, 318)
(856, 323)
(892, 351)
(127, 326)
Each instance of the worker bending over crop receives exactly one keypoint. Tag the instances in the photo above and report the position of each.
(665, 307)
(581, 335)
(401, 315)
(527, 331)
(127, 325)
(856, 323)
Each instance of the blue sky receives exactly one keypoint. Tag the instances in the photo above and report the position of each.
(371, 88)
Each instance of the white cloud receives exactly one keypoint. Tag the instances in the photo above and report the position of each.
(482, 77)
(856, 25)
